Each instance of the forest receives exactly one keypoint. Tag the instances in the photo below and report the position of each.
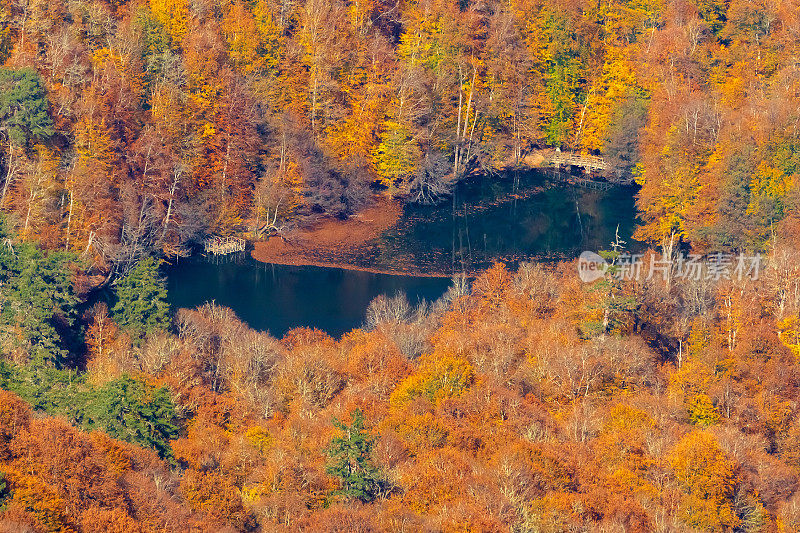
(134, 128)
(523, 400)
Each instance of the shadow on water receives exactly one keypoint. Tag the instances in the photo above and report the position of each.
(519, 216)
(276, 298)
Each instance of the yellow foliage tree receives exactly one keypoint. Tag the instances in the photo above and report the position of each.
(271, 43)
(769, 185)
(789, 334)
(439, 376)
(396, 156)
(174, 16)
(89, 184)
(702, 411)
(667, 206)
(622, 441)
(240, 30)
(37, 191)
(708, 478)
(616, 84)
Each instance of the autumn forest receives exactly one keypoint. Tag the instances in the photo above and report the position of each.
(523, 399)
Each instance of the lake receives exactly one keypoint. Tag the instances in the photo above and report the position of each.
(509, 218)
(277, 298)
(516, 217)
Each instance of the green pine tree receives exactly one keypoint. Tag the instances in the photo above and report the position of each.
(37, 298)
(56, 392)
(127, 408)
(142, 306)
(562, 91)
(23, 114)
(156, 53)
(616, 304)
(131, 410)
(23, 105)
(350, 460)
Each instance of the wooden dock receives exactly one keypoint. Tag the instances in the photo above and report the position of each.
(224, 245)
(589, 163)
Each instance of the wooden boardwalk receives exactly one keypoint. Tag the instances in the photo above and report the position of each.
(590, 163)
(224, 245)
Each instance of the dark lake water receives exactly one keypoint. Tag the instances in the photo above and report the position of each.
(511, 218)
(277, 298)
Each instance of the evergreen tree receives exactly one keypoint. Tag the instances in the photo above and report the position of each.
(350, 460)
(131, 410)
(48, 389)
(23, 113)
(615, 303)
(128, 408)
(142, 306)
(23, 105)
(37, 298)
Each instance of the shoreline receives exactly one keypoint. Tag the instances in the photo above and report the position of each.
(357, 268)
(334, 238)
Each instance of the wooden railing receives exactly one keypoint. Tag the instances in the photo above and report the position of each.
(590, 163)
(224, 245)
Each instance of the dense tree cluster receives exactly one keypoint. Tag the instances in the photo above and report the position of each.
(133, 126)
(56, 478)
(521, 401)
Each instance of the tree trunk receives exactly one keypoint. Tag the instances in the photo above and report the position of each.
(457, 151)
(9, 171)
(175, 178)
(69, 219)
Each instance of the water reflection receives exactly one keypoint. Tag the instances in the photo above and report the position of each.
(512, 218)
(509, 218)
(276, 298)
